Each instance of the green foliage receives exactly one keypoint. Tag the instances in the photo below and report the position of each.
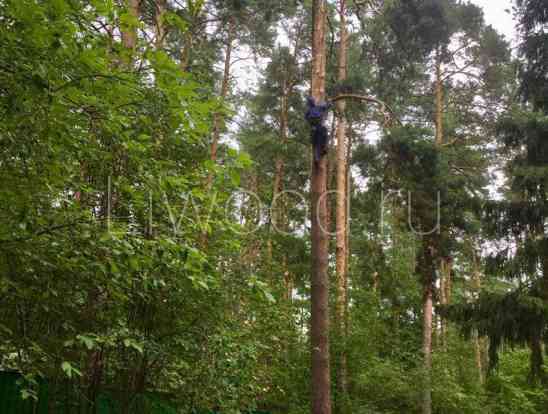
(508, 390)
(102, 281)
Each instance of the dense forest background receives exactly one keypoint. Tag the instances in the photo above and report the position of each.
(155, 205)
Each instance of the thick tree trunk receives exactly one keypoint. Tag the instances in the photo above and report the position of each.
(319, 330)
(341, 217)
(427, 271)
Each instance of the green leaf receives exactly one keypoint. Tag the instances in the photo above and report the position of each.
(134, 263)
(69, 370)
(130, 343)
(28, 393)
(235, 177)
(269, 297)
(87, 341)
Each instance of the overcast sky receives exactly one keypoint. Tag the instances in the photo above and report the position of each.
(496, 15)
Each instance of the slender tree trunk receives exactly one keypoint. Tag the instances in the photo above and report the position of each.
(439, 101)
(444, 296)
(279, 164)
(278, 206)
(217, 117)
(331, 180)
(441, 293)
(341, 217)
(476, 286)
(185, 52)
(536, 360)
(478, 354)
(426, 269)
(319, 330)
(129, 37)
(427, 348)
(275, 210)
(277, 188)
(348, 200)
(449, 281)
(195, 9)
(83, 178)
(159, 24)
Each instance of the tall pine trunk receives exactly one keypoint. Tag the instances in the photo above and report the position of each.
(341, 218)
(279, 165)
(428, 271)
(278, 212)
(319, 330)
(476, 286)
(217, 117)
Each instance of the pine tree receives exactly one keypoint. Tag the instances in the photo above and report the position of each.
(518, 317)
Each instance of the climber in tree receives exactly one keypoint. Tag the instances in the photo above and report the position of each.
(315, 115)
(317, 112)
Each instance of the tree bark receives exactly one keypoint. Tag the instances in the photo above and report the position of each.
(426, 269)
(445, 295)
(427, 349)
(441, 295)
(217, 117)
(319, 331)
(428, 252)
(476, 286)
(129, 37)
(159, 24)
(341, 217)
(279, 164)
(194, 10)
(439, 101)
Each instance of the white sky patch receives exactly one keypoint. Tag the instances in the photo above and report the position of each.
(495, 12)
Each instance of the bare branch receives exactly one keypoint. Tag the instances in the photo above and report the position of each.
(387, 112)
